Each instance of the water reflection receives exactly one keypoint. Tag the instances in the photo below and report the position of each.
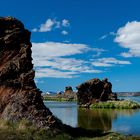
(95, 119)
(122, 121)
(100, 118)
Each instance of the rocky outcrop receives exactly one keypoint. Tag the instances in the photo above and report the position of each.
(69, 88)
(19, 96)
(69, 93)
(95, 90)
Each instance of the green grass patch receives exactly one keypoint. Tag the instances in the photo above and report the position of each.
(59, 99)
(124, 104)
(24, 130)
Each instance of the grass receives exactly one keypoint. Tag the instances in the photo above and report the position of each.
(59, 99)
(111, 136)
(24, 130)
(124, 104)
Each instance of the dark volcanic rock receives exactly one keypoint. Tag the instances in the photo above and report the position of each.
(69, 88)
(94, 90)
(19, 96)
(69, 93)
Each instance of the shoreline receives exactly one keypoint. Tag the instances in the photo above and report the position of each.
(24, 130)
(120, 104)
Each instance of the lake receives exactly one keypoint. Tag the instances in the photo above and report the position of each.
(124, 121)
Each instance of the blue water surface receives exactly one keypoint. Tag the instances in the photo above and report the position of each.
(124, 121)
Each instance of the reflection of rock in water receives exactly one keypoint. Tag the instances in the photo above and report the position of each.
(101, 119)
(95, 119)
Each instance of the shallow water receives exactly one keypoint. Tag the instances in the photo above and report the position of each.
(124, 121)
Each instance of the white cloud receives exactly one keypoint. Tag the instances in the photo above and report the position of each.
(66, 64)
(56, 49)
(55, 59)
(47, 72)
(129, 37)
(65, 23)
(108, 62)
(51, 59)
(51, 24)
(98, 52)
(64, 32)
(47, 26)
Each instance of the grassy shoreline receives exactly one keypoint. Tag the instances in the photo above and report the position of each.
(124, 104)
(120, 104)
(24, 130)
(59, 99)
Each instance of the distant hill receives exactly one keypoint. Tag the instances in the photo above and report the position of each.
(128, 93)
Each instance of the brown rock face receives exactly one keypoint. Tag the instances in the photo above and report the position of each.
(69, 93)
(19, 96)
(94, 90)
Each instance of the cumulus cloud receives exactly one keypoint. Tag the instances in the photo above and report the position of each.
(129, 37)
(64, 32)
(108, 62)
(47, 72)
(51, 24)
(53, 59)
(45, 27)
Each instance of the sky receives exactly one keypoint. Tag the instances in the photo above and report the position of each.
(77, 40)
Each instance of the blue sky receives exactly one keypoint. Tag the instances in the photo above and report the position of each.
(76, 40)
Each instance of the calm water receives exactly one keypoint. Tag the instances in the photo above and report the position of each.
(122, 121)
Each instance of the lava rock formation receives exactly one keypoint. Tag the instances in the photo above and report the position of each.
(95, 90)
(19, 96)
(69, 93)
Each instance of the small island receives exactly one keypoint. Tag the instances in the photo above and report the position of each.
(94, 93)
(97, 93)
(68, 95)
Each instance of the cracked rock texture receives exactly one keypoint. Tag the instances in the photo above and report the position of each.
(95, 90)
(19, 96)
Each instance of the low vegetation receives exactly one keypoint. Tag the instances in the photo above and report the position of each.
(122, 104)
(24, 130)
(60, 99)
